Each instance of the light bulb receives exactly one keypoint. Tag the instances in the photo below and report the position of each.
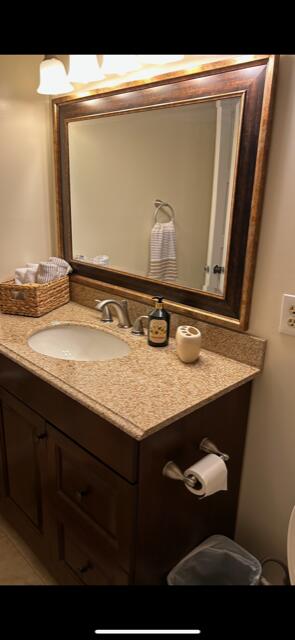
(53, 78)
(160, 59)
(114, 64)
(84, 69)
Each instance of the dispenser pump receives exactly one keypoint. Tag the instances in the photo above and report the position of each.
(159, 302)
(158, 324)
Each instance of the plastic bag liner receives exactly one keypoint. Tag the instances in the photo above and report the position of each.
(217, 561)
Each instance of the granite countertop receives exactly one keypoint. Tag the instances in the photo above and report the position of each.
(139, 393)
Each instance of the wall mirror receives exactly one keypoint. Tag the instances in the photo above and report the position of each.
(160, 185)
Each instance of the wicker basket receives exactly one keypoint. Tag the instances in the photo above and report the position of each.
(33, 299)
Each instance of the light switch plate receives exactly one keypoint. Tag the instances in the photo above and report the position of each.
(287, 320)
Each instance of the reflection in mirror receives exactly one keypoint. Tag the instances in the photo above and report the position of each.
(152, 191)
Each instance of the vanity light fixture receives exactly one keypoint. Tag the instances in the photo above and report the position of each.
(53, 77)
(160, 59)
(84, 68)
(118, 65)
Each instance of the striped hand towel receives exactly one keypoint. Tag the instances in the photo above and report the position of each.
(163, 251)
(63, 267)
(46, 272)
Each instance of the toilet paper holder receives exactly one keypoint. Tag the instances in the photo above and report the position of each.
(172, 471)
(209, 447)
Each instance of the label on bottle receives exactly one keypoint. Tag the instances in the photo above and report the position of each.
(158, 331)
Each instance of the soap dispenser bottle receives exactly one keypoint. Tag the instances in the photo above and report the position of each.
(158, 325)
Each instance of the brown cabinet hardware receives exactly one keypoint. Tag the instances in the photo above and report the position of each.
(81, 494)
(40, 436)
(85, 567)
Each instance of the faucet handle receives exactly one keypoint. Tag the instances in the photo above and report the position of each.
(124, 305)
(137, 328)
(106, 315)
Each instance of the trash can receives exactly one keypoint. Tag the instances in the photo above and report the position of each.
(217, 561)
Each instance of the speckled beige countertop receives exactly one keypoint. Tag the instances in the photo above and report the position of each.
(140, 392)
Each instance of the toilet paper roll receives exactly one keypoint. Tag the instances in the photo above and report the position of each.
(211, 472)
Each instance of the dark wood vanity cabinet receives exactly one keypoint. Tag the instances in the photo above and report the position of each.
(91, 500)
(23, 456)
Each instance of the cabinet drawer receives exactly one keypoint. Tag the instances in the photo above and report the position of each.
(93, 499)
(84, 566)
(87, 488)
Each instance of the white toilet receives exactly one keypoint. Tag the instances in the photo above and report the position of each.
(291, 547)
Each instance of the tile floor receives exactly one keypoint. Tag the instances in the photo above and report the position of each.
(18, 564)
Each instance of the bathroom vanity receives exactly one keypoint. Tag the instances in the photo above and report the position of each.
(83, 446)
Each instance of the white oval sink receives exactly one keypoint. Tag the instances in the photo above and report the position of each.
(77, 342)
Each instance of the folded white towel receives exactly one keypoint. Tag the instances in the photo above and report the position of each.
(63, 267)
(104, 260)
(32, 265)
(20, 274)
(46, 272)
(163, 251)
(30, 276)
(43, 272)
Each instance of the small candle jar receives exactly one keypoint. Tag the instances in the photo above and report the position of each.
(188, 343)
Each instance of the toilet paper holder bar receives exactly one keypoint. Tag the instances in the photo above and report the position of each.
(209, 447)
(172, 471)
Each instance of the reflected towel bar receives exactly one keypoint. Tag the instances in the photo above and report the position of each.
(159, 204)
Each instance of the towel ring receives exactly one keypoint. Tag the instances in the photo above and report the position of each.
(159, 204)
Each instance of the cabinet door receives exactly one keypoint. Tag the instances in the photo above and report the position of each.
(23, 444)
(92, 515)
(2, 457)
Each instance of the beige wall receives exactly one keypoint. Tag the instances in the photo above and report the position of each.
(26, 189)
(120, 165)
(268, 483)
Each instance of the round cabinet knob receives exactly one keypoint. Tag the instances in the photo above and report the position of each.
(85, 567)
(40, 436)
(188, 343)
(81, 494)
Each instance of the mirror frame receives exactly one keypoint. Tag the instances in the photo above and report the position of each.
(254, 80)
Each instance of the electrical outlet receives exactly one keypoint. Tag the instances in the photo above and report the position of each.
(287, 321)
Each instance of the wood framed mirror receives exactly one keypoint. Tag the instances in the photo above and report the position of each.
(188, 150)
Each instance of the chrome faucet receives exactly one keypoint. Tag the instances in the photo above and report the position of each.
(121, 309)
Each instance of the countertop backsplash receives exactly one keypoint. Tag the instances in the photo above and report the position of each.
(233, 344)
